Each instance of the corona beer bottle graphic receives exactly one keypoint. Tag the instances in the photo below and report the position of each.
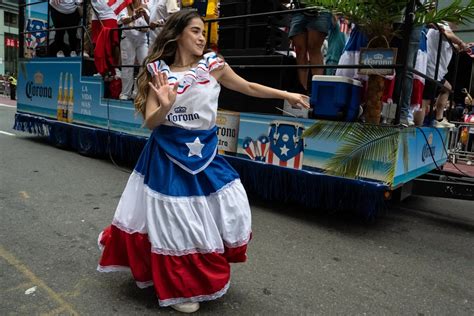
(65, 97)
(70, 101)
(59, 112)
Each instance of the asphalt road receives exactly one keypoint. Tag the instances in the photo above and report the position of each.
(418, 259)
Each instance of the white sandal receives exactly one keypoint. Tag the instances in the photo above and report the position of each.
(188, 308)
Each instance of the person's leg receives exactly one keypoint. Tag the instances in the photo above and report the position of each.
(407, 83)
(315, 42)
(13, 92)
(128, 58)
(298, 37)
(141, 53)
(299, 42)
(442, 100)
(57, 18)
(74, 19)
(318, 28)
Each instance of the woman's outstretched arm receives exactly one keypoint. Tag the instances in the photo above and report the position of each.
(229, 79)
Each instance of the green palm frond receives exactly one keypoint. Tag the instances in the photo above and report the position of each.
(364, 148)
(330, 130)
(456, 12)
(367, 149)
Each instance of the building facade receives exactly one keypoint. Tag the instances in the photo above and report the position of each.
(9, 43)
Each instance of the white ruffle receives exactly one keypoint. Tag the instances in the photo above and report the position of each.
(185, 225)
(200, 74)
(107, 269)
(194, 299)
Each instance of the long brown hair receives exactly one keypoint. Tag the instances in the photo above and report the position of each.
(164, 48)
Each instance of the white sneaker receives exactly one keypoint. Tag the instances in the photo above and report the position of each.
(186, 307)
(60, 54)
(73, 54)
(443, 124)
(124, 97)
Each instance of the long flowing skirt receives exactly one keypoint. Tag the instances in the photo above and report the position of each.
(178, 231)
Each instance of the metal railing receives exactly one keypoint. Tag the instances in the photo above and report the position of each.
(461, 143)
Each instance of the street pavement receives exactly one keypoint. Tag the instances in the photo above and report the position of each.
(417, 259)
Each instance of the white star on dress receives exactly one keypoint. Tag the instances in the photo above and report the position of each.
(195, 148)
(284, 150)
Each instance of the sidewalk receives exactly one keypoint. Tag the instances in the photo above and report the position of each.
(7, 101)
(466, 169)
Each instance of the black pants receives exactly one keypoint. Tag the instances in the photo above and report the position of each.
(12, 92)
(65, 20)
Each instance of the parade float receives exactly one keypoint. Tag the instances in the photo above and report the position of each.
(329, 161)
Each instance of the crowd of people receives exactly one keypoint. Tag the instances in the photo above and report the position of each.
(103, 39)
(316, 39)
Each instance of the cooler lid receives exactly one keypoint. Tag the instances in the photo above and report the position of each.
(340, 79)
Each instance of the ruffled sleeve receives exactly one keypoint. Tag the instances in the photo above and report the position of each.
(213, 61)
(157, 67)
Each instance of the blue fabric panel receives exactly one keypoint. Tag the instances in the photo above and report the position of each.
(173, 140)
(164, 176)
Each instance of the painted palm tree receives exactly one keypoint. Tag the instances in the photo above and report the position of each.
(376, 19)
(366, 149)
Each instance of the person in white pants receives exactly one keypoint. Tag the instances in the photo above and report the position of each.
(160, 10)
(134, 43)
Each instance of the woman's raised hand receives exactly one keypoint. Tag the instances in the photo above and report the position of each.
(166, 95)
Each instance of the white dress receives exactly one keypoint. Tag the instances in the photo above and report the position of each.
(184, 214)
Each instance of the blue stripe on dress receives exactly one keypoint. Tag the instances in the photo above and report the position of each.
(164, 176)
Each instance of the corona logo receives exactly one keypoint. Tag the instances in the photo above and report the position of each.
(39, 78)
(221, 120)
(180, 109)
(37, 89)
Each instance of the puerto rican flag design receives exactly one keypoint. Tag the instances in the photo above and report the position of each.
(286, 145)
(263, 145)
(249, 148)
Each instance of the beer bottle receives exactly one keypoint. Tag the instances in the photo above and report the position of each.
(59, 111)
(70, 103)
(65, 97)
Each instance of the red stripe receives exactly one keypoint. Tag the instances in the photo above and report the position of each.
(111, 2)
(417, 93)
(184, 90)
(189, 275)
(283, 163)
(250, 153)
(296, 164)
(270, 156)
(129, 250)
(173, 276)
(122, 6)
(204, 82)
